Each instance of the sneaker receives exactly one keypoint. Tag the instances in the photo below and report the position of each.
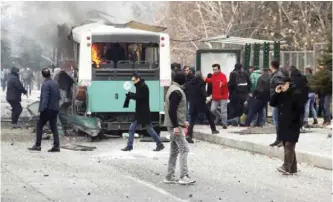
(283, 170)
(35, 148)
(16, 126)
(171, 180)
(127, 148)
(315, 122)
(186, 180)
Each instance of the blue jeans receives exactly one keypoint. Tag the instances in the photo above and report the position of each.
(310, 106)
(149, 129)
(327, 108)
(188, 117)
(275, 120)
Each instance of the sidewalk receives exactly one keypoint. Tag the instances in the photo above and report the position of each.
(314, 147)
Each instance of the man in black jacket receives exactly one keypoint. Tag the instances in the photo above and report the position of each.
(276, 79)
(13, 95)
(286, 99)
(197, 97)
(48, 108)
(142, 113)
(239, 88)
(188, 77)
(261, 97)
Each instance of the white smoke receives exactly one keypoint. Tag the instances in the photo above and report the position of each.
(38, 21)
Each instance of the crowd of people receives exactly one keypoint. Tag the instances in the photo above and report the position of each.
(241, 101)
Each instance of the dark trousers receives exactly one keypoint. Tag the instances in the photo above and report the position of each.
(194, 116)
(290, 162)
(257, 107)
(44, 117)
(16, 110)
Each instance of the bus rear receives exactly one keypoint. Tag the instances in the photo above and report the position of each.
(115, 57)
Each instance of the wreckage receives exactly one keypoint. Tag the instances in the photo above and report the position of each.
(104, 56)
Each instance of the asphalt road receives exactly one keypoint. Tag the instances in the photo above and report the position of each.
(110, 175)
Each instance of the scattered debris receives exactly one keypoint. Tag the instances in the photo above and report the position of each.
(190, 195)
(12, 143)
(46, 175)
(88, 193)
(78, 147)
(329, 135)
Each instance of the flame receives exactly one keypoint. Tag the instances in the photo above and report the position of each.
(95, 55)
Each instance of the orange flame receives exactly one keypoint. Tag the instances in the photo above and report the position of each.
(95, 55)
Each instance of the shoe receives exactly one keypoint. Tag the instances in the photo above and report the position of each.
(224, 127)
(16, 126)
(215, 132)
(54, 149)
(275, 143)
(35, 148)
(127, 148)
(280, 144)
(189, 140)
(306, 125)
(186, 180)
(282, 170)
(315, 122)
(171, 180)
(159, 147)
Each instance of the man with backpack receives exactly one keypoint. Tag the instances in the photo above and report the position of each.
(261, 97)
(239, 88)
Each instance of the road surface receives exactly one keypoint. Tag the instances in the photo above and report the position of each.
(108, 174)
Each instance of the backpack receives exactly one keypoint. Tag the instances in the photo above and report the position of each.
(241, 82)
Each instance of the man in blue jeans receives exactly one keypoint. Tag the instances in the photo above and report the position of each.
(142, 113)
(276, 79)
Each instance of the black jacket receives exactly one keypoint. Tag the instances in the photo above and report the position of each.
(300, 83)
(261, 92)
(142, 108)
(14, 86)
(290, 110)
(233, 85)
(197, 94)
(49, 96)
(189, 78)
(276, 79)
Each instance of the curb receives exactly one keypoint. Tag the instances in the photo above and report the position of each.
(302, 157)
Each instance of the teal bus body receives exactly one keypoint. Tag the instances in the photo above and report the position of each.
(109, 96)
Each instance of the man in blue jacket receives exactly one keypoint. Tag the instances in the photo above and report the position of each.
(48, 108)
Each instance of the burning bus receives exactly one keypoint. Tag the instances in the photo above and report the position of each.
(105, 58)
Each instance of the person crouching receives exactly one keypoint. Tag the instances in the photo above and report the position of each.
(290, 109)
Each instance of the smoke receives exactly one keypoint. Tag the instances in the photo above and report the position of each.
(37, 22)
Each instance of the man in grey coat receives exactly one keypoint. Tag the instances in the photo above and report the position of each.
(175, 120)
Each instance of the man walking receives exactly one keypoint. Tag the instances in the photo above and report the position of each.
(188, 77)
(276, 78)
(48, 108)
(175, 118)
(142, 113)
(13, 95)
(219, 94)
(197, 96)
(309, 106)
(290, 108)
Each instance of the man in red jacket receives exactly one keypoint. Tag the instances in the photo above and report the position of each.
(219, 94)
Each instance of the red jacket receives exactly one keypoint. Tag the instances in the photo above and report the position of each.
(219, 86)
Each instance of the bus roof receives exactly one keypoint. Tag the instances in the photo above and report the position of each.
(83, 31)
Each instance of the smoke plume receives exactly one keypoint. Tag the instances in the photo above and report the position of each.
(37, 21)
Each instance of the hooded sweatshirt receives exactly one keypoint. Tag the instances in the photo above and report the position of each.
(14, 86)
(254, 79)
